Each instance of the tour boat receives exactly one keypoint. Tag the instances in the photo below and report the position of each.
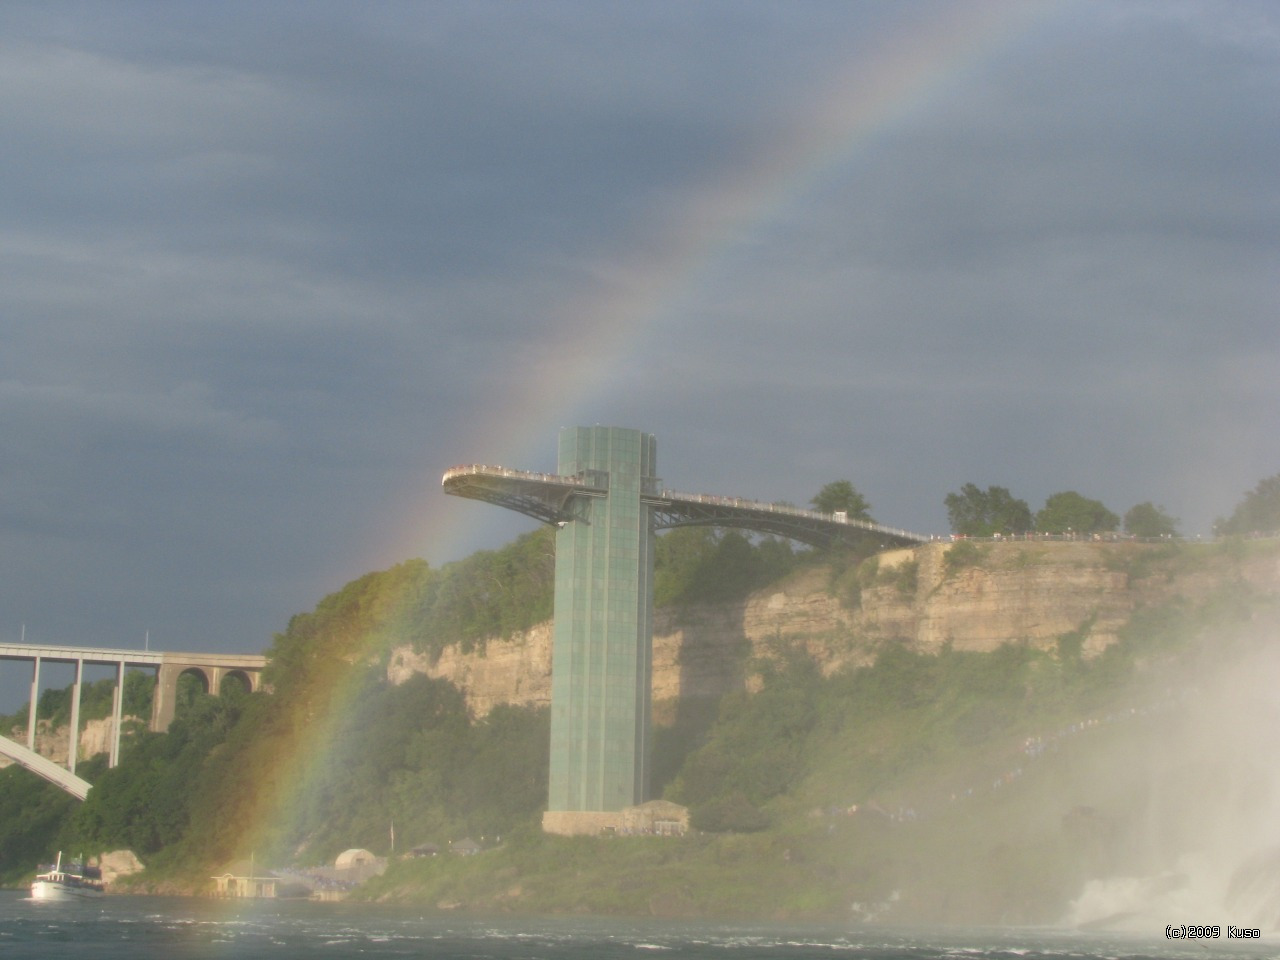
(77, 882)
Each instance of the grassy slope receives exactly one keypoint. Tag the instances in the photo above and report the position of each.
(1012, 855)
(989, 834)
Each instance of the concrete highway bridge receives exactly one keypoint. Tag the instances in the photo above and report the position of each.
(211, 669)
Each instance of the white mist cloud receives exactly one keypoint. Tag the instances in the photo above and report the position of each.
(1207, 840)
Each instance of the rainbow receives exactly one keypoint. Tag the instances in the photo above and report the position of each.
(586, 347)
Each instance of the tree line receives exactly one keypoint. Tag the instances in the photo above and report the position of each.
(975, 512)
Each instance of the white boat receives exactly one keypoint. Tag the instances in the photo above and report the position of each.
(77, 882)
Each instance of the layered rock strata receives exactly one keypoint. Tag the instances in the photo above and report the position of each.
(1011, 592)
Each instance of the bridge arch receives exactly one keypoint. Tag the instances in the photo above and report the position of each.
(241, 678)
(199, 674)
(212, 669)
(213, 680)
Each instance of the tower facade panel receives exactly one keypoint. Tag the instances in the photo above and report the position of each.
(600, 677)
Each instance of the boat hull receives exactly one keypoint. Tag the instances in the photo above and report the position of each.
(53, 890)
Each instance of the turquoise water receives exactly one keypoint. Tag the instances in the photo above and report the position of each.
(173, 928)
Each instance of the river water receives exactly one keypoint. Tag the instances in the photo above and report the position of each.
(142, 928)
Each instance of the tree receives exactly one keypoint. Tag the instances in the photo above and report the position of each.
(698, 564)
(1258, 512)
(977, 513)
(1148, 520)
(841, 495)
(1069, 512)
(731, 814)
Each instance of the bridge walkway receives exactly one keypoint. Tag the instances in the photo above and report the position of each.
(550, 498)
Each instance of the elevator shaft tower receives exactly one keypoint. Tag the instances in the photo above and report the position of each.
(607, 501)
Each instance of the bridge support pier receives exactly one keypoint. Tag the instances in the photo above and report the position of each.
(117, 715)
(164, 703)
(73, 738)
(31, 707)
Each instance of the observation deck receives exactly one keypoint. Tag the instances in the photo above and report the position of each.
(554, 499)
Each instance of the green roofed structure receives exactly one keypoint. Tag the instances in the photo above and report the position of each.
(607, 501)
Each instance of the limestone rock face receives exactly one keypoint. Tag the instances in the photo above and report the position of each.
(95, 737)
(1018, 591)
(514, 669)
(117, 863)
(1033, 592)
(52, 742)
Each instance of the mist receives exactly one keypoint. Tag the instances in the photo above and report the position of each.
(1197, 814)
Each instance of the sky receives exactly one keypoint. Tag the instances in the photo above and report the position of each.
(267, 269)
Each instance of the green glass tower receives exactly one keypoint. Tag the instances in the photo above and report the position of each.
(606, 501)
(601, 654)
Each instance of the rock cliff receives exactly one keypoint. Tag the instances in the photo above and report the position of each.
(977, 598)
(52, 742)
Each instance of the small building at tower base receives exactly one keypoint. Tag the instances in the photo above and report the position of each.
(652, 818)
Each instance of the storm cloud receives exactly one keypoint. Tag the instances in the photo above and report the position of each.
(267, 269)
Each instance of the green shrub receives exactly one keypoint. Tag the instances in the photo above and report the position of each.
(961, 554)
(906, 577)
(731, 814)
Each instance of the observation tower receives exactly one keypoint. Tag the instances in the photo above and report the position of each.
(607, 501)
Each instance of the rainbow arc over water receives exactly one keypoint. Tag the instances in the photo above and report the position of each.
(911, 71)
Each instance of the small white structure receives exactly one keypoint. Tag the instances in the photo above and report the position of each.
(658, 817)
(355, 857)
(358, 865)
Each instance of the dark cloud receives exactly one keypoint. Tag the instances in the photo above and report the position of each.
(266, 269)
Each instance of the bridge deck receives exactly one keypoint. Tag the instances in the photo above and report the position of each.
(130, 658)
(65, 654)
